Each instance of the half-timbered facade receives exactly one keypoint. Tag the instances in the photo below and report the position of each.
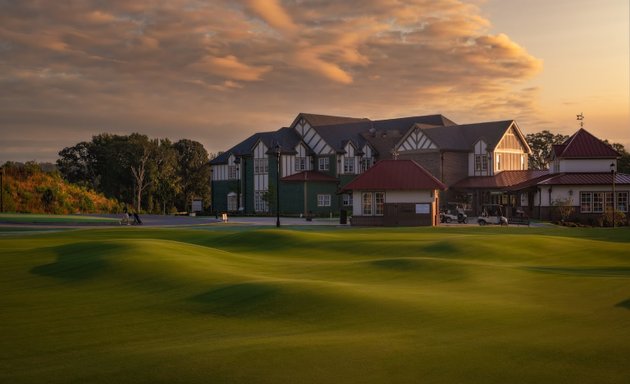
(319, 155)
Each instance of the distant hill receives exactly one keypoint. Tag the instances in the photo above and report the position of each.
(29, 189)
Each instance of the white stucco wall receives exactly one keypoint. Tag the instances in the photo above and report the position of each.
(585, 165)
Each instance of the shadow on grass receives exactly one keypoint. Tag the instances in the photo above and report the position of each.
(585, 271)
(236, 300)
(78, 261)
(624, 304)
(396, 264)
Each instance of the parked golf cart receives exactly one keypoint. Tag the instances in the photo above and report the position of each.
(453, 213)
(492, 214)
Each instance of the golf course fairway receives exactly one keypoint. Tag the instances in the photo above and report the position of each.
(229, 304)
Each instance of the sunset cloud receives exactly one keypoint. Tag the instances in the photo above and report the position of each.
(203, 67)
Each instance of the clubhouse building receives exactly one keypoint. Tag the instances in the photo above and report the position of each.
(310, 167)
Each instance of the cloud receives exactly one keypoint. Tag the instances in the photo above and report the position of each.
(274, 14)
(84, 66)
(230, 67)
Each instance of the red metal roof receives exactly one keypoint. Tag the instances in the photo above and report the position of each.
(310, 176)
(506, 180)
(602, 178)
(584, 145)
(395, 175)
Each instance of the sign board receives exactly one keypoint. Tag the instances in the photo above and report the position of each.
(423, 208)
(196, 206)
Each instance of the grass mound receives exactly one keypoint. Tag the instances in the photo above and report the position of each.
(471, 305)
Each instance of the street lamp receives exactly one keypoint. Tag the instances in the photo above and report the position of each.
(613, 174)
(1, 189)
(237, 161)
(278, 185)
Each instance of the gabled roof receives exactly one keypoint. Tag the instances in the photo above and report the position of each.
(395, 175)
(505, 180)
(381, 134)
(310, 176)
(463, 137)
(599, 178)
(583, 144)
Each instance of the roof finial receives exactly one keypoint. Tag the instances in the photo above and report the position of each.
(580, 118)
(395, 153)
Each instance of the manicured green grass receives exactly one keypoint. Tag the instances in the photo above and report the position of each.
(27, 218)
(255, 305)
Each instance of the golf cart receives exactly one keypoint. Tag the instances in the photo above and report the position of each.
(492, 214)
(453, 213)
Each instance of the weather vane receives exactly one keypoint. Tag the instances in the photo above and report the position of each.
(580, 118)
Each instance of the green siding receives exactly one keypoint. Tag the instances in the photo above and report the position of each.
(291, 193)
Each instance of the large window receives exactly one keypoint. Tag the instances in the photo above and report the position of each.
(366, 203)
(324, 163)
(622, 201)
(379, 203)
(261, 166)
(373, 203)
(260, 204)
(323, 200)
(348, 165)
(481, 163)
(596, 202)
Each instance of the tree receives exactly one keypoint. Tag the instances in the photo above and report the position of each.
(194, 172)
(112, 164)
(141, 151)
(76, 165)
(623, 163)
(541, 144)
(167, 182)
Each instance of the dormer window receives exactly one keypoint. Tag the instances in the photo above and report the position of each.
(300, 163)
(348, 164)
(481, 163)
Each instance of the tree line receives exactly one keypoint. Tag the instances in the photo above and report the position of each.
(153, 175)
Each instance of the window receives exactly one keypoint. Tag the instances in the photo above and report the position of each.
(379, 203)
(324, 163)
(231, 201)
(373, 204)
(260, 203)
(261, 166)
(323, 200)
(595, 202)
(598, 201)
(232, 172)
(481, 163)
(300, 163)
(348, 165)
(366, 203)
(586, 202)
(498, 162)
(347, 199)
(366, 163)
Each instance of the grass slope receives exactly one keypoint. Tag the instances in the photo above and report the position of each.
(243, 305)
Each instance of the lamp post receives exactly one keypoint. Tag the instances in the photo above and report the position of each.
(278, 185)
(237, 161)
(1, 189)
(613, 174)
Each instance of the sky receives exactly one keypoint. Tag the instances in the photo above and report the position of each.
(217, 71)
